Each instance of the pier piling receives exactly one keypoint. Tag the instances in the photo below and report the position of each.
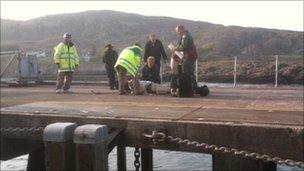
(146, 159)
(59, 147)
(91, 147)
(36, 160)
(121, 158)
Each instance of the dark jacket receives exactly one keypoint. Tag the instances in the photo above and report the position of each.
(156, 50)
(187, 46)
(150, 74)
(110, 57)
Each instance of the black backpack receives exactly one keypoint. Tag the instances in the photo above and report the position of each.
(202, 90)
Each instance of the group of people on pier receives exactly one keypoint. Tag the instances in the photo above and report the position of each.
(127, 65)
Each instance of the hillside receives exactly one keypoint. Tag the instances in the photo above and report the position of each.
(93, 29)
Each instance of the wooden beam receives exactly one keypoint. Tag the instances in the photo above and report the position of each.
(284, 141)
(115, 138)
(36, 160)
(121, 158)
(233, 163)
(146, 159)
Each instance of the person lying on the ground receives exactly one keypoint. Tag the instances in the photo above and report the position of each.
(148, 87)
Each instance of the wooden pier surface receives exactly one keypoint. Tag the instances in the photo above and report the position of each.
(238, 105)
(265, 120)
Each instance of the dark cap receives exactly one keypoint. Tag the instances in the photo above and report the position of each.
(179, 27)
(109, 46)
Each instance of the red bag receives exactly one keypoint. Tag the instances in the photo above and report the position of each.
(191, 53)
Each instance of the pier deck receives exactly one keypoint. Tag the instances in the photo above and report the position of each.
(264, 120)
(240, 105)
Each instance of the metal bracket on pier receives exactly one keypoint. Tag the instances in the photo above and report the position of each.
(91, 147)
(59, 147)
(155, 136)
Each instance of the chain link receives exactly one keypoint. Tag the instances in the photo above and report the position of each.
(136, 161)
(159, 136)
(21, 130)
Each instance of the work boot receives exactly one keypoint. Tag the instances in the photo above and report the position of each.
(173, 92)
(116, 85)
(122, 93)
(58, 91)
(67, 91)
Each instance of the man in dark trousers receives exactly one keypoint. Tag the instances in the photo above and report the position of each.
(187, 48)
(109, 58)
(150, 71)
(154, 47)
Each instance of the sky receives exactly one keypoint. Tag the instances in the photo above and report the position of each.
(286, 15)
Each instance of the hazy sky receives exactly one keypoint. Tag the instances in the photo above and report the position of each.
(268, 14)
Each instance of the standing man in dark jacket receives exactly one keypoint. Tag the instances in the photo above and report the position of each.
(187, 48)
(109, 58)
(150, 71)
(154, 47)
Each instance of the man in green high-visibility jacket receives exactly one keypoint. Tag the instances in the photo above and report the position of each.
(128, 63)
(67, 60)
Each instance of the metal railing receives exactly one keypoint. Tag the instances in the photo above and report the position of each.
(14, 55)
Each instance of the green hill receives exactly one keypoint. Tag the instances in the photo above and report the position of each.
(93, 29)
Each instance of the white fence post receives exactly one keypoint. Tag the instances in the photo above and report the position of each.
(196, 71)
(234, 84)
(161, 72)
(276, 72)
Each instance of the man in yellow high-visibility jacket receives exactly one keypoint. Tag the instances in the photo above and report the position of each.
(67, 60)
(128, 63)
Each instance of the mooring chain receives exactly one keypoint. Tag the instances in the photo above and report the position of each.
(159, 136)
(21, 130)
(136, 161)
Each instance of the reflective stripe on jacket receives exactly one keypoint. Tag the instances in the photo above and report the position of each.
(66, 56)
(130, 59)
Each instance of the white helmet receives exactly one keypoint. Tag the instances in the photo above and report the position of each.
(66, 35)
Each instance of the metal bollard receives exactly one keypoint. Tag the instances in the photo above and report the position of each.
(59, 147)
(91, 147)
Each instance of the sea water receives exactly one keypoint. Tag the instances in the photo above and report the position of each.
(162, 160)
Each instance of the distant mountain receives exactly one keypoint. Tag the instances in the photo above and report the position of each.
(91, 30)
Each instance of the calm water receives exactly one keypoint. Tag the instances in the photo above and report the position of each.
(163, 160)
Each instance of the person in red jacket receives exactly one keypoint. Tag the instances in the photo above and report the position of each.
(186, 45)
(187, 48)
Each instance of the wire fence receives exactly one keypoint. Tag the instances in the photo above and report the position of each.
(271, 69)
(9, 65)
(240, 70)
